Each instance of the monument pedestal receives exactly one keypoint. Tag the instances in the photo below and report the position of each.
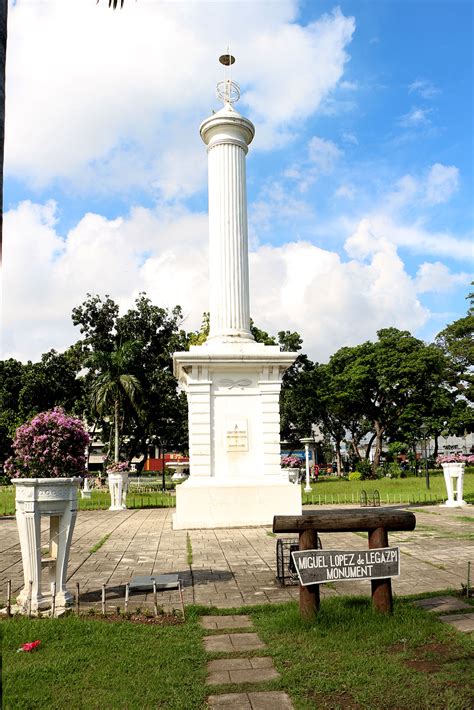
(236, 480)
(222, 504)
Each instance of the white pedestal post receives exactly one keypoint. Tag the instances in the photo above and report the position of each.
(118, 487)
(55, 498)
(86, 491)
(307, 442)
(454, 472)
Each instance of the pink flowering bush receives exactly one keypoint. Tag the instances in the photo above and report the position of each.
(51, 445)
(455, 458)
(291, 462)
(119, 467)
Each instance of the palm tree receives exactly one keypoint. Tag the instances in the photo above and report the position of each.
(114, 387)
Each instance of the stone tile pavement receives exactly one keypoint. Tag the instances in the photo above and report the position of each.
(233, 567)
(462, 618)
(237, 671)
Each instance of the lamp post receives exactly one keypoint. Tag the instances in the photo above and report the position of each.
(307, 441)
(424, 431)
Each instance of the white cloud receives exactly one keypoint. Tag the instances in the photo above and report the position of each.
(162, 252)
(122, 111)
(323, 154)
(380, 228)
(441, 182)
(349, 137)
(321, 159)
(349, 85)
(438, 278)
(346, 191)
(436, 186)
(329, 300)
(275, 202)
(425, 88)
(416, 118)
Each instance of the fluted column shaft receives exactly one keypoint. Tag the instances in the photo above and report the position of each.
(228, 240)
(227, 135)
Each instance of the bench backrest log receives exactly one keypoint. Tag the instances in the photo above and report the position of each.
(377, 523)
(343, 520)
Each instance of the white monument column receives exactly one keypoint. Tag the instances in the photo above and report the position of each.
(232, 383)
(227, 135)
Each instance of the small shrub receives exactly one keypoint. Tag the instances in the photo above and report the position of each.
(364, 467)
(393, 470)
(355, 476)
(51, 445)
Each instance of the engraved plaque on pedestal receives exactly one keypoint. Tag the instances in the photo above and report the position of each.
(236, 435)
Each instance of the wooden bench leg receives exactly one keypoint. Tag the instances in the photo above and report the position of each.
(309, 596)
(381, 588)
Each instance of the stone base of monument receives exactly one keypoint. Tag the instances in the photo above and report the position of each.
(208, 503)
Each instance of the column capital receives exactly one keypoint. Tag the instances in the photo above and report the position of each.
(227, 126)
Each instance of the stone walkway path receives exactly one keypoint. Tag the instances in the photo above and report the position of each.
(463, 617)
(242, 669)
(232, 567)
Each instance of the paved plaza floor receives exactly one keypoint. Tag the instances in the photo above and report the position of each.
(234, 567)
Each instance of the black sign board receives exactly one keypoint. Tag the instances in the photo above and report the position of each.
(319, 566)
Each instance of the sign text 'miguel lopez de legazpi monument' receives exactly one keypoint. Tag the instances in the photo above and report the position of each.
(232, 383)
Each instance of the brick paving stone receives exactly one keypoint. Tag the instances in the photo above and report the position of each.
(229, 664)
(236, 701)
(227, 571)
(256, 675)
(233, 642)
(270, 700)
(238, 621)
(461, 622)
(442, 604)
(240, 670)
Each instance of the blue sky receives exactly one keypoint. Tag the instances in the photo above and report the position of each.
(359, 177)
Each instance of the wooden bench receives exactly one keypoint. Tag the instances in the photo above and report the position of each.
(377, 523)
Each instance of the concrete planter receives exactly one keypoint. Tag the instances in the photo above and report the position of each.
(118, 487)
(454, 472)
(55, 498)
(86, 491)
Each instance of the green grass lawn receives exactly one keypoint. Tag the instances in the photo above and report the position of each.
(353, 657)
(92, 664)
(391, 490)
(99, 500)
(333, 491)
(349, 657)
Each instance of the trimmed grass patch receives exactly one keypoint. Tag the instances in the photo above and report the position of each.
(99, 500)
(93, 664)
(99, 544)
(392, 490)
(349, 657)
(353, 657)
(189, 550)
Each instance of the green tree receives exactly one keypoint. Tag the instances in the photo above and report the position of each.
(113, 387)
(11, 378)
(50, 383)
(456, 341)
(398, 377)
(155, 332)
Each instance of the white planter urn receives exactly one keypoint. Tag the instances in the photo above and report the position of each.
(454, 474)
(86, 491)
(118, 487)
(55, 498)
